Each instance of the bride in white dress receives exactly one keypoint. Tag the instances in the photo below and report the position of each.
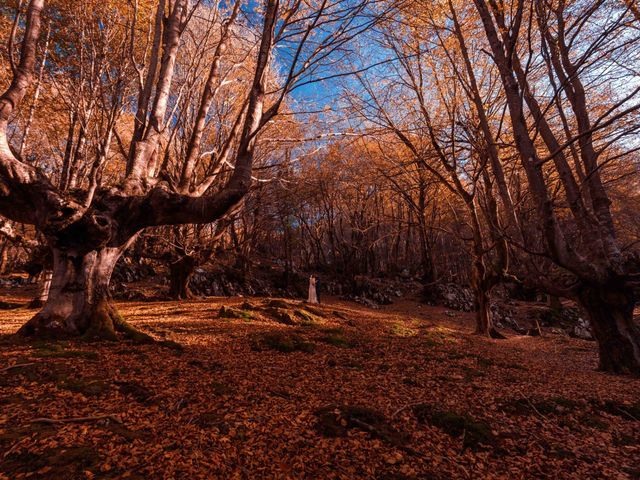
(313, 296)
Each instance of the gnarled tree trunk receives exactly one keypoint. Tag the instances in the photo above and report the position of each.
(79, 303)
(180, 272)
(610, 312)
(482, 283)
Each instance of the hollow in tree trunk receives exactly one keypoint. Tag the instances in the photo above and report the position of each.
(79, 303)
(180, 272)
(610, 312)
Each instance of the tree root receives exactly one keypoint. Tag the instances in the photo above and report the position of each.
(122, 326)
(18, 365)
(107, 321)
(53, 421)
(103, 322)
(495, 334)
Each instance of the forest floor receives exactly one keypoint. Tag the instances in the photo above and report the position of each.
(403, 392)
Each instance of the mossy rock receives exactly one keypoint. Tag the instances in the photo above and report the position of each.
(280, 342)
(288, 316)
(337, 340)
(402, 330)
(248, 306)
(305, 315)
(279, 303)
(336, 420)
(280, 315)
(475, 433)
(230, 312)
(439, 336)
(314, 311)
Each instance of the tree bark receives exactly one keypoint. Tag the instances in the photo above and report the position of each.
(180, 272)
(610, 312)
(483, 314)
(79, 303)
(4, 256)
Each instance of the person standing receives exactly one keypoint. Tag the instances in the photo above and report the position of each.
(313, 296)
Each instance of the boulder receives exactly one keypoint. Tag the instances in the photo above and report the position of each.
(582, 330)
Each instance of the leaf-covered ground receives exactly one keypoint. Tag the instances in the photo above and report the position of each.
(279, 391)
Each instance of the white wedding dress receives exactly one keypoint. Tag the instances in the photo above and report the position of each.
(313, 296)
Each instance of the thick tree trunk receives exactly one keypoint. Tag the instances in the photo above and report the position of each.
(610, 312)
(180, 272)
(426, 266)
(482, 292)
(483, 314)
(4, 257)
(79, 303)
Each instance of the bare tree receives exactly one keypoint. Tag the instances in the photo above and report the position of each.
(89, 227)
(574, 45)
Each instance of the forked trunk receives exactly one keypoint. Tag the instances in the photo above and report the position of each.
(610, 312)
(79, 303)
(180, 272)
(482, 300)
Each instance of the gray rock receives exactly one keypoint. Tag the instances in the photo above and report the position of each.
(582, 330)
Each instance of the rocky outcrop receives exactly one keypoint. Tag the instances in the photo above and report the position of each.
(373, 292)
(453, 296)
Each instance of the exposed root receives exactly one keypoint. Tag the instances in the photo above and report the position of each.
(495, 334)
(122, 326)
(53, 421)
(492, 332)
(18, 365)
(101, 325)
(43, 326)
(103, 322)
